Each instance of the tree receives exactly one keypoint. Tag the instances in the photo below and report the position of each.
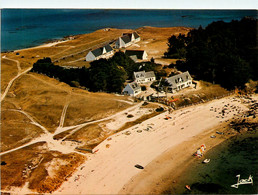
(223, 53)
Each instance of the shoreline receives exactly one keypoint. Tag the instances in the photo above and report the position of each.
(112, 171)
(47, 43)
(161, 174)
(167, 173)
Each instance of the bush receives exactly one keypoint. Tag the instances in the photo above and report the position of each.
(160, 109)
(143, 88)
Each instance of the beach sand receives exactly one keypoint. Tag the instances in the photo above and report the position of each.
(157, 144)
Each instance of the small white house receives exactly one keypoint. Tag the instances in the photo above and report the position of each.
(132, 89)
(179, 81)
(127, 39)
(144, 77)
(137, 54)
(102, 52)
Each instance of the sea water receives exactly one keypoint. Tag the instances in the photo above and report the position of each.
(236, 156)
(23, 28)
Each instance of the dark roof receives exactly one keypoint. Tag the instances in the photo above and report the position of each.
(108, 48)
(136, 35)
(128, 34)
(138, 53)
(99, 51)
(126, 39)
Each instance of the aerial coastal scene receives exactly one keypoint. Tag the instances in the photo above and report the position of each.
(110, 101)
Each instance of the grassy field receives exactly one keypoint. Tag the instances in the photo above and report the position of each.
(8, 70)
(16, 129)
(206, 92)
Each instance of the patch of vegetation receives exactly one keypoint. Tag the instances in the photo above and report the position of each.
(160, 109)
(102, 75)
(222, 53)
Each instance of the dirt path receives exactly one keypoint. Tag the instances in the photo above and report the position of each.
(48, 137)
(18, 63)
(11, 82)
(32, 120)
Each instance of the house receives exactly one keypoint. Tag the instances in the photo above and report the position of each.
(137, 54)
(180, 81)
(144, 77)
(132, 89)
(102, 52)
(126, 40)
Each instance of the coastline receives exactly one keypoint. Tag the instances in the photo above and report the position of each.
(163, 171)
(168, 147)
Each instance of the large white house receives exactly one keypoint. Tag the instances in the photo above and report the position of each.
(127, 39)
(179, 81)
(136, 54)
(102, 52)
(144, 77)
(132, 89)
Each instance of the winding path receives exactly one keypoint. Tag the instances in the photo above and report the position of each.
(11, 82)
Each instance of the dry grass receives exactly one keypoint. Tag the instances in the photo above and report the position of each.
(62, 135)
(92, 107)
(90, 135)
(46, 170)
(154, 40)
(53, 171)
(44, 99)
(138, 121)
(8, 71)
(11, 173)
(208, 91)
(44, 102)
(16, 130)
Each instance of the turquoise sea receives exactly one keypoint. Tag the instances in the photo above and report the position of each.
(22, 28)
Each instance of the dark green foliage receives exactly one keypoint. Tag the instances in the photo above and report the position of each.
(143, 88)
(103, 75)
(176, 47)
(223, 53)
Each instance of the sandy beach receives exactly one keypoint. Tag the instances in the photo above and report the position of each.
(157, 144)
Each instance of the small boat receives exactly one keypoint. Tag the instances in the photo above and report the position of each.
(206, 161)
(213, 136)
(188, 187)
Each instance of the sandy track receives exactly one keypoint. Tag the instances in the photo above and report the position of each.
(11, 82)
(108, 170)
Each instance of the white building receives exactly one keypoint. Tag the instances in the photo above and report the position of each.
(127, 39)
(144, 77)
(132, 89)
(102, 52)
(179, 81)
